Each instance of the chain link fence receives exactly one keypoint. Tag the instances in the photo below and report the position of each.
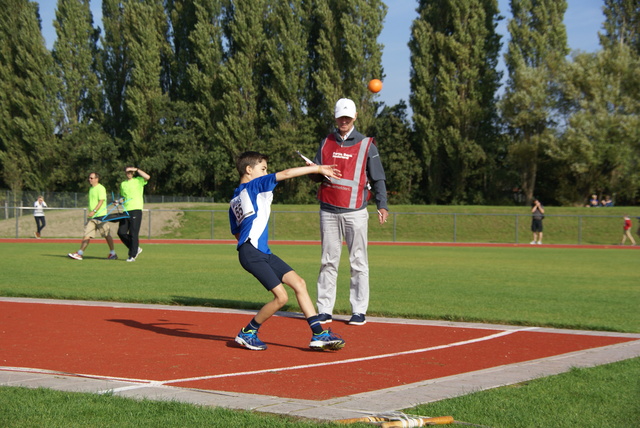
(410, 227)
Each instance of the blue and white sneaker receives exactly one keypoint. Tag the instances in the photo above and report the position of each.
(250, 340)
(326, 340)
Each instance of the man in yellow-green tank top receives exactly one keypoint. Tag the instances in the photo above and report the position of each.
(94, 226)
(132, 192)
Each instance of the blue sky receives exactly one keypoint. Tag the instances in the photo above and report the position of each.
(583, 20)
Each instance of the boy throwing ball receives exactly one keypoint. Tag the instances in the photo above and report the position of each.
(249, 218)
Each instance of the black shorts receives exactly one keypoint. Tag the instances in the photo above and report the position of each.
(269, 269)
(536, 225)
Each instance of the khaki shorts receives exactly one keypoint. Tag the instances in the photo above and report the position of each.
(94, 226)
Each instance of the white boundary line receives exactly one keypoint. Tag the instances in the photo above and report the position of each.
(352, 360)
(61, 373)
(145, 383)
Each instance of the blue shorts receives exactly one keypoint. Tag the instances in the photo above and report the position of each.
(269, 269)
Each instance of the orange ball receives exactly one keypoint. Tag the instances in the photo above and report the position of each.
(375, 85)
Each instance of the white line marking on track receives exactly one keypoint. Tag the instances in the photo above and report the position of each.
(61, 373)
(147, 383)
(355, 360)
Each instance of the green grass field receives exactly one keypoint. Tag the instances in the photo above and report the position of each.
(594, 289)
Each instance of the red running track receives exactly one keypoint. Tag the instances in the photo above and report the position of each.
(193, 349)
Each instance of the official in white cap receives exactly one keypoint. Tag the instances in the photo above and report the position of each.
(343, 210)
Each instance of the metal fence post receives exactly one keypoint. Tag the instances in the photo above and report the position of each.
(394, 227)
(17, 222)
(517, 217)
(455, 228)
(579, 230)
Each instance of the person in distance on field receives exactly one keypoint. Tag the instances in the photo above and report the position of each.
(98, 209)
(249, 213)
(132, 193)
(343, 210)
(537, 211)
(38, 215)
(626, 231)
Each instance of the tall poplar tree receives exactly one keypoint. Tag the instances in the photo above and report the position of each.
(535, 56)
(182, 16)
(204, 77)
(116, 69)
(622, 24)
(147, 103)
(286, 90)
(75, 52)
(86, 146)
(345, 56)
(242, 78)
(27, 104)
(192, 168)
(454, 50)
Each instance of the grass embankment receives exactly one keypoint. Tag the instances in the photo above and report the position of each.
(408, 223)
(427, 223)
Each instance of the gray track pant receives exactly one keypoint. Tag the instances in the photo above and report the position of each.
(353, 228)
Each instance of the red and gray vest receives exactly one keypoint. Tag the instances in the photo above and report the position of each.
(348, 191)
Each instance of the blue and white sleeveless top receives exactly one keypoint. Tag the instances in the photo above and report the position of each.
(249, 211)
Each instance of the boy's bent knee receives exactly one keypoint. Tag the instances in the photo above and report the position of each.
(280, 296)
(281, 300)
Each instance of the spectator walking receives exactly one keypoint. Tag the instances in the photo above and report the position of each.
(132, 193)
(97, 210)
(626, 231)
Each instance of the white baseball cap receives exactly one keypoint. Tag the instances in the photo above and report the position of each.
(345, 107)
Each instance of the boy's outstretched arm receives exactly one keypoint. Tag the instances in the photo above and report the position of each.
(327, 170)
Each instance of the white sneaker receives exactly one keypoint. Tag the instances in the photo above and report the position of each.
(539, 242)
(532, 242)
(131, 259)
(75, 256)
(139, 251)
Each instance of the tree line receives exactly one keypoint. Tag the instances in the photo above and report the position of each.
(180, 87)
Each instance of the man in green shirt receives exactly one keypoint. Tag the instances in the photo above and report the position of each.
(132, 192)
(97, 210)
